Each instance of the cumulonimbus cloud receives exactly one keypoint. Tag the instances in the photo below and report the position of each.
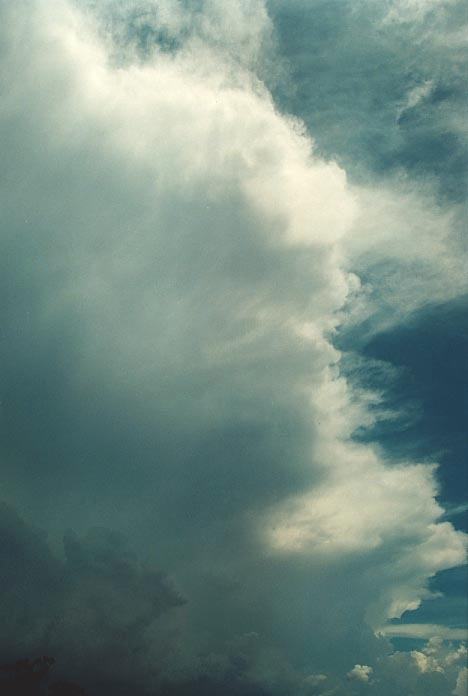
(182, 259)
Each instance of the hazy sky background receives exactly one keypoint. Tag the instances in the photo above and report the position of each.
(233, 344)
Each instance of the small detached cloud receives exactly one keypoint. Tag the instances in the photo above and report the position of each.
(360, 673)
(415, 96)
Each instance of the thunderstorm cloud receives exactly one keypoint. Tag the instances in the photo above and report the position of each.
(198, 247)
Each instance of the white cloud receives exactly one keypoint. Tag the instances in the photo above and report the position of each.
(459, 654)
(415, 96)
(462, 682)
(425, 663)
(420, 672)
(426, 631)
(348, 515)
(360, 673)
(414, 10)
(409, 248)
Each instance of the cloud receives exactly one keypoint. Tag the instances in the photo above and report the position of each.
(462, 682)
(94, 609)
(428, 671)
(416, 95)
(414, 10)
(405, 247)
(434, 669)
(426, 631)
(351, 107)
(176, 259)
(360, 673)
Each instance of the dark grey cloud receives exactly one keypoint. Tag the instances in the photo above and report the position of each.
(93, 607)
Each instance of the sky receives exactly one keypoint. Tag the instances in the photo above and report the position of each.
(233, 345)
